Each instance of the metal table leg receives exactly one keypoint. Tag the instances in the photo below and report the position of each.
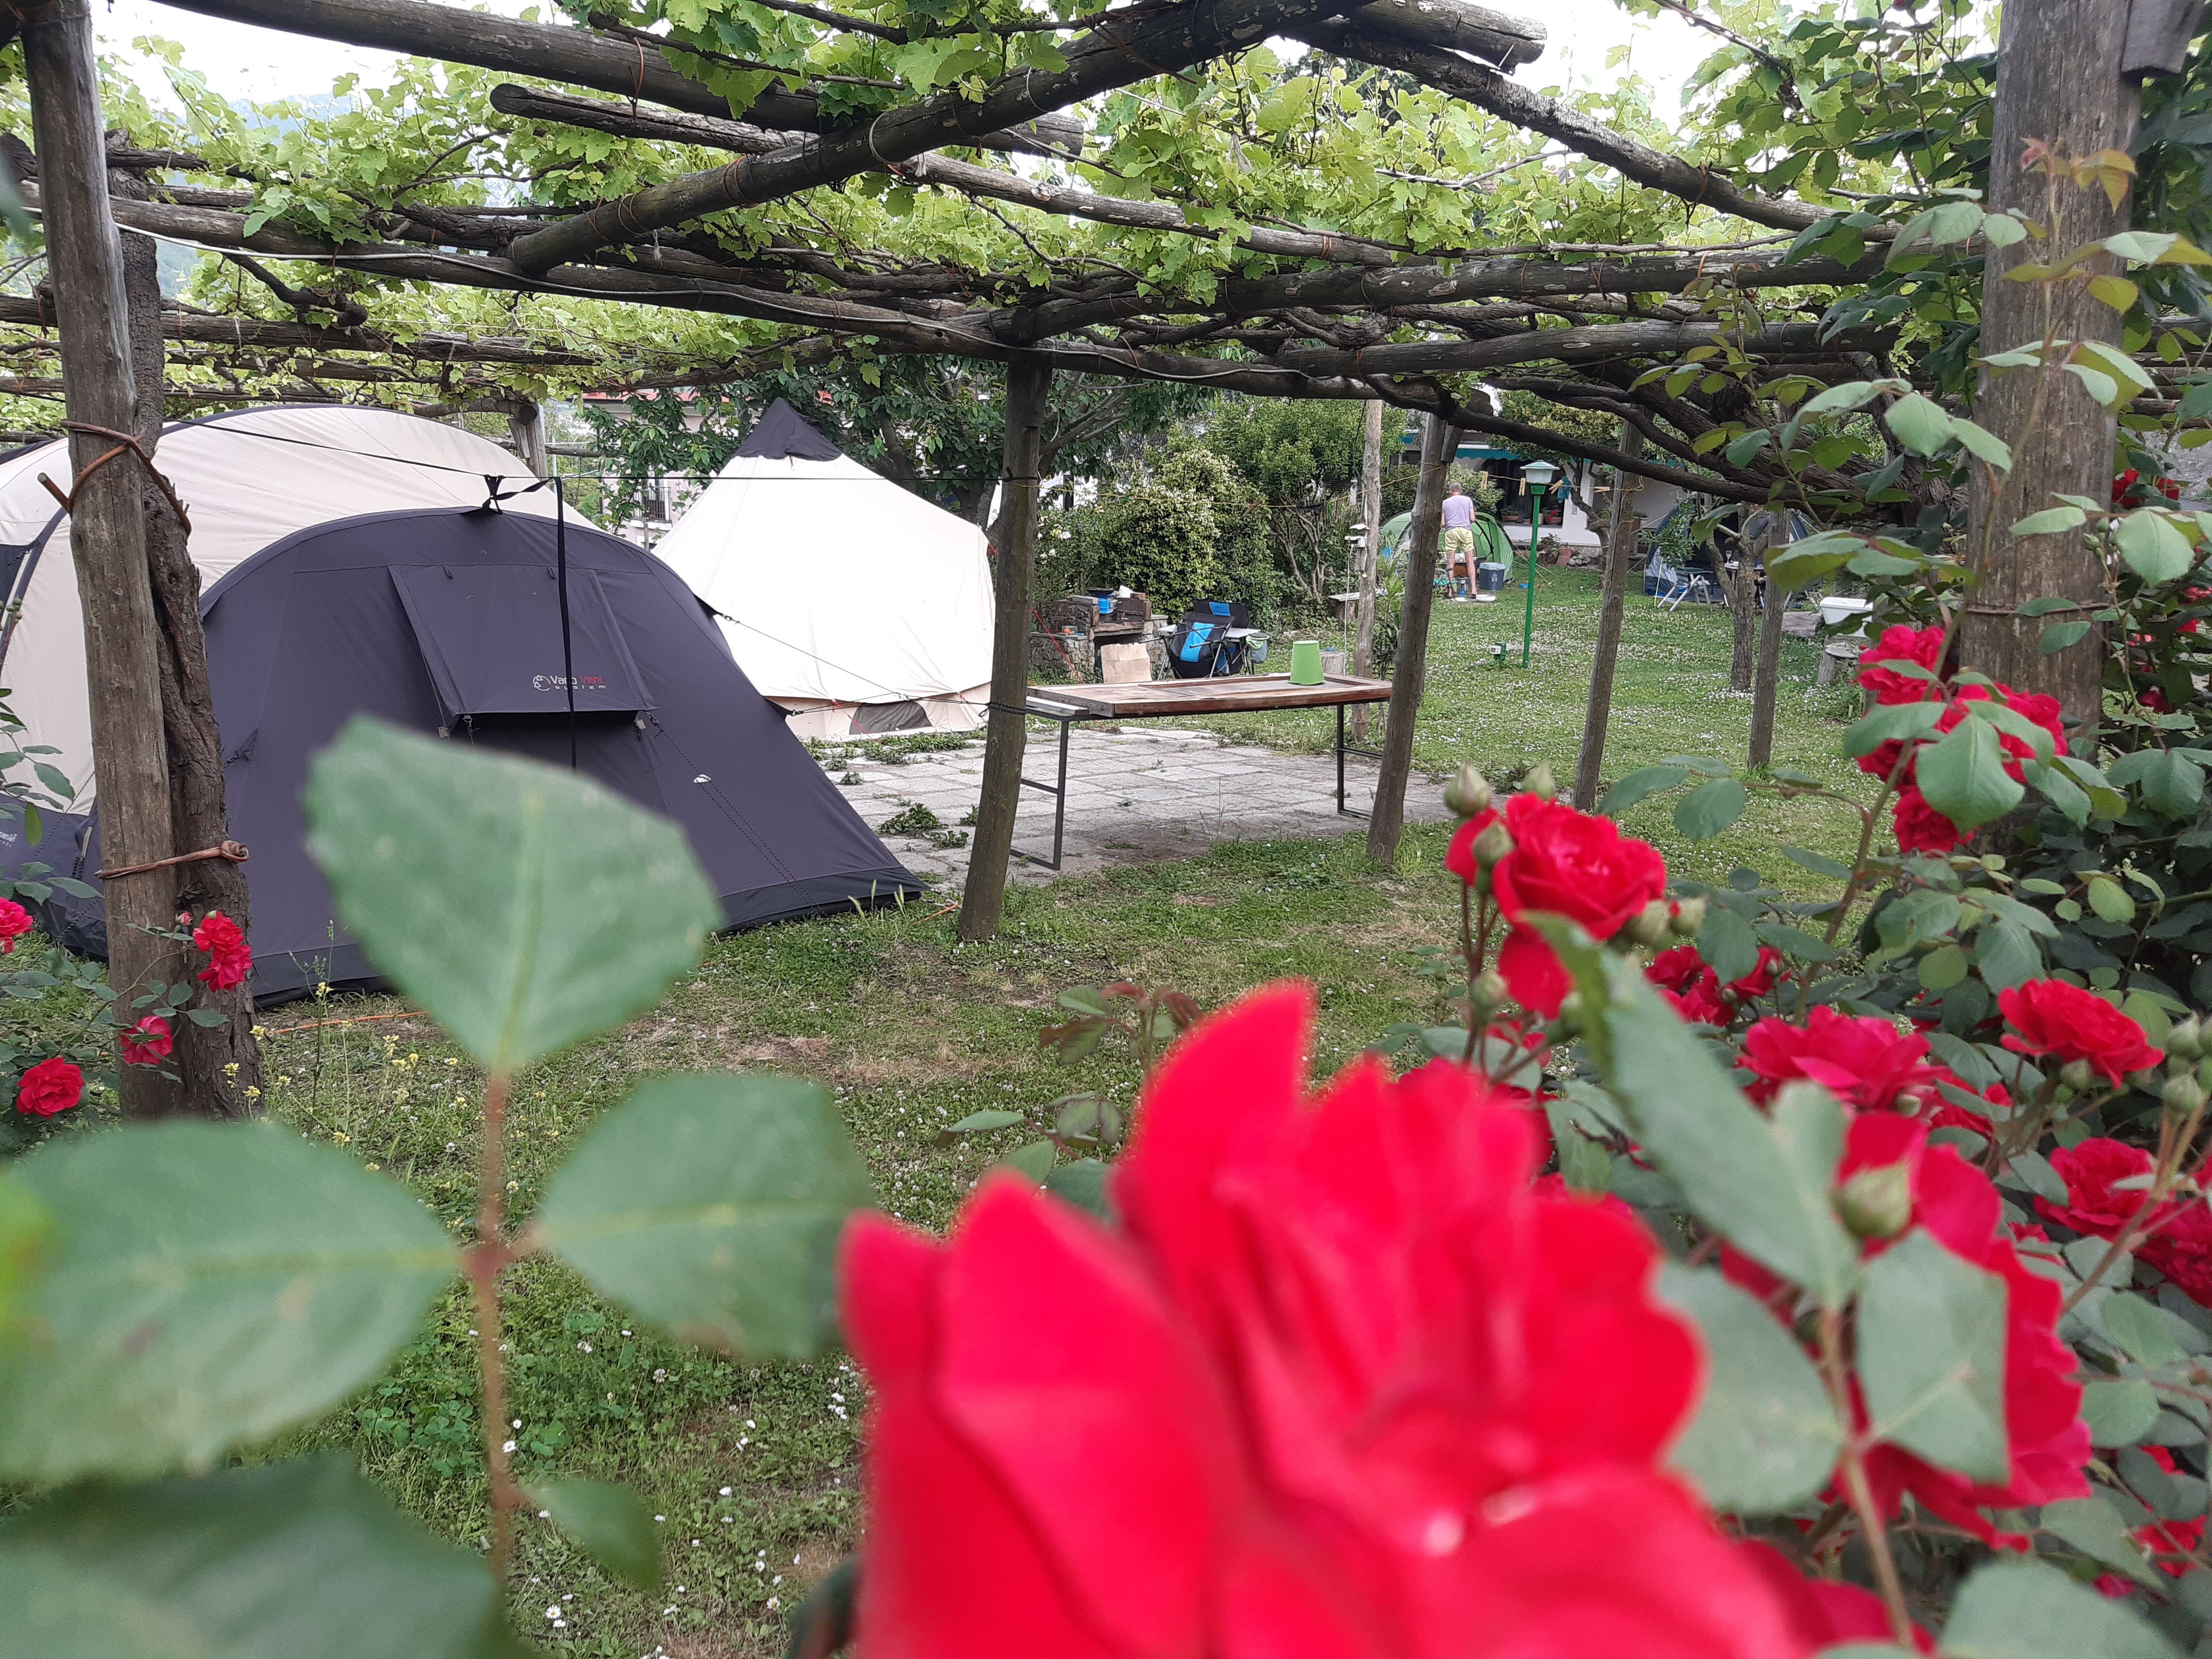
(1344, 748)
(1059, 792)
(1340, 758)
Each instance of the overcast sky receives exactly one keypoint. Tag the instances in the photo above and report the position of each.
(243, 61)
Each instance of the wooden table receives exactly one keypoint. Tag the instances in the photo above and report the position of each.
(1149, 699)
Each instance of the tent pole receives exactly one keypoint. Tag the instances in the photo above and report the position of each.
(108, 532)
(1029, 390)
(1418, 553)
(561, 579)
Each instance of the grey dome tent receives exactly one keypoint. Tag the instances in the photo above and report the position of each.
(448, 620)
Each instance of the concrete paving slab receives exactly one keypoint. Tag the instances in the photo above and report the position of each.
(1135, 796)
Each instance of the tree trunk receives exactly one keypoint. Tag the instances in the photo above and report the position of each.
(1371, 556)
(2059, 83)
(1417, 557)
(219, 1066)
(1029, 389)
(1743, 613)
(107, 527)
(1764, 530)
(1622, 533)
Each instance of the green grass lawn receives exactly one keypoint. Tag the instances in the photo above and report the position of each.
(1671, 696)
(753, 1468)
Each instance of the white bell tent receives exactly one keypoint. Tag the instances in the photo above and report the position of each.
(248, 479)
(851, 602)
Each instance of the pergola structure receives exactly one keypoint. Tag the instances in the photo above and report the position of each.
(1302, 310)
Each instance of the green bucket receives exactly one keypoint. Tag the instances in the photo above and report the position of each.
(1305, 662)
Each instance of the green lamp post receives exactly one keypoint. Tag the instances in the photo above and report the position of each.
(1539, 475)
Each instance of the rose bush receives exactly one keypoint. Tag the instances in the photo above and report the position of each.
(1345, 1384)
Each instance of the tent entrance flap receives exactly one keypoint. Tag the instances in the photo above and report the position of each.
(490, 636)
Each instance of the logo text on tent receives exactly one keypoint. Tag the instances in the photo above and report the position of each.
(559, 683)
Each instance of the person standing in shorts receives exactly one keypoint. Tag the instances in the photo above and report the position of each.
(1459, 540)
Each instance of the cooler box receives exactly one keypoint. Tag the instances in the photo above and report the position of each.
(1489, 578)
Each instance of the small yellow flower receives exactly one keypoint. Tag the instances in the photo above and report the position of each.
(376, 1166)
(253, 1093)
(259, 1032)
(231, 1070)
(340, 1137)
(515, 1186)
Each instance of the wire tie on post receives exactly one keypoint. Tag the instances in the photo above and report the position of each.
(123, 441)
(234, 851)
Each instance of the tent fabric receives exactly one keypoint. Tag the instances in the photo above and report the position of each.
(248, 477)
(442, 616)
(835, 586)
(314, 630)
(490, 636)
(785, 434)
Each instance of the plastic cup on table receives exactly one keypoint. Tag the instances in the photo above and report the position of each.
(1305, 662)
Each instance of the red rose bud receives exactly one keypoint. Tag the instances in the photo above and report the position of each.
(15, 923)
(2182, 1095)
(1490, 989)
(1541, 783)
(2185, 1041)
(1689, 916)
(1652, 922)
(1468, 795)
(1877, 1203)
(1492, 845)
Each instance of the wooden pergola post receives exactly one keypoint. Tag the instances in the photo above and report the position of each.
(1765, 531)
(1370, 557)
(1623, 530)
(1029, 389)
(107, 530)
(1417, 557)
(218, 1066)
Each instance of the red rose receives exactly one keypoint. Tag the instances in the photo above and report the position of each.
(1824, 1613)
(1688, 983)
(1864, 1061)
(230, 961)
(1922, 645)
(1569, 864)
(1920, 827)
(2155, 700)
(2067, 1023)
(1459, 858)
(148, 1042)
(2171, 1538)
(49, 1089)
(15, 923)
(2179, 1246)
(2050, 1443)
(1344, 1386)
(2095, 1201)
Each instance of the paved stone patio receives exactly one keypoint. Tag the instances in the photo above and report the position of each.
(1136, 795)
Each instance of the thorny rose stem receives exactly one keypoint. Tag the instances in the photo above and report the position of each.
(1856, 1484)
